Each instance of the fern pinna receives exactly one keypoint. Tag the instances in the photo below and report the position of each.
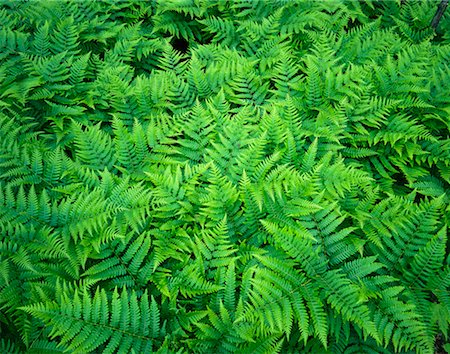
(224, 176)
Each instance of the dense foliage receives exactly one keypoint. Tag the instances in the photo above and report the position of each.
(214, 176)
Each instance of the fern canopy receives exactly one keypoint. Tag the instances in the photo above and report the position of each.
(200, 176)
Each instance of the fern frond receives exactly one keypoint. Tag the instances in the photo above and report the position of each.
(123, 263)
(85, 323)
(428, 260)
(65, 37)
(93, 147)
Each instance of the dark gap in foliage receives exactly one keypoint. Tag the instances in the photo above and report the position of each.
(180, 44)
(439, 37)
(205, 40)
(47, 126)
(106, 125)
(439, 345)
(68, 153)
(419, 197)
(400, 178)
(352, 23)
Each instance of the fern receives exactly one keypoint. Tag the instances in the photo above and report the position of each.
(215, 176)
(125, 322)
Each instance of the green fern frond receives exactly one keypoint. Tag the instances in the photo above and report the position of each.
(41, 41)
(65, 37)
(84, 323)
(428, 260)
(125, 262)
(93, 147)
